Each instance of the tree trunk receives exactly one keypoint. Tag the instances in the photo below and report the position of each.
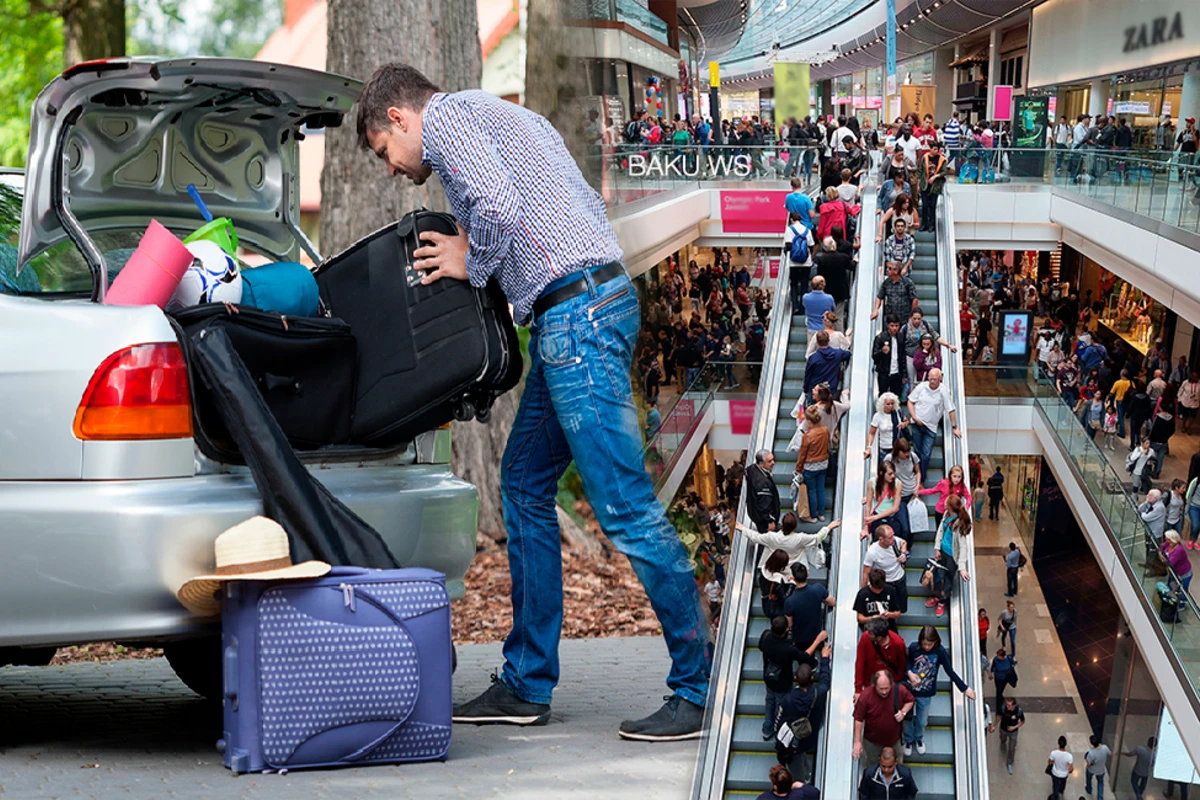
(358, 196)
(554, 79)
(92, 29)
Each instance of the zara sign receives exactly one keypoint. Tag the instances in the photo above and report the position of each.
(1153, 33)
(1073, 40)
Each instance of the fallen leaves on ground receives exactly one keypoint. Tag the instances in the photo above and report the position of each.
(601, 597)
(102, 651)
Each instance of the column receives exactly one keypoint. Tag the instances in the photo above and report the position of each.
(943, 78)
(1098, 97)
(1189, 98)
(993, 73)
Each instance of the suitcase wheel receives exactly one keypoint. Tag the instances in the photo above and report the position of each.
(465, 411)
(483, 414)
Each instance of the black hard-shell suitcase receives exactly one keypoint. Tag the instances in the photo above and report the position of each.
(426, 354)
(302, 366)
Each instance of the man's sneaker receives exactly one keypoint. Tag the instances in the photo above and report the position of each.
(1009, 769)
(498, 705)
(931, 602)
(907, 749)
(941, 609)
(920, 747)
(676, 720)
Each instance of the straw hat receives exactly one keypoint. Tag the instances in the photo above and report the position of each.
(254, 550)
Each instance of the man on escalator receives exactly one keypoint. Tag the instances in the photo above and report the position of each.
(762, 494)
(802, 711)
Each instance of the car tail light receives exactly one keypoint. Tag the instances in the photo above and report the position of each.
(140, 392)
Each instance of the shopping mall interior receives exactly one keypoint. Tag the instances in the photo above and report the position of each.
(1074, 276)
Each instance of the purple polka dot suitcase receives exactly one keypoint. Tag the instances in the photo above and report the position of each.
(349, 669)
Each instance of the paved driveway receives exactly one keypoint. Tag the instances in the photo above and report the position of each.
(130, 729)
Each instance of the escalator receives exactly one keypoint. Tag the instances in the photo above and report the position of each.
(953, 764)
(933, 771)
(734, 759)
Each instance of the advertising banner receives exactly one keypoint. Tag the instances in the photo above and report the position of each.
(1002, 100)
(791, 91)
(754, 212)
(916, 99)
(741, 417)
(1029, 127)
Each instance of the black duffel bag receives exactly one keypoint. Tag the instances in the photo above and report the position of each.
(303, 367)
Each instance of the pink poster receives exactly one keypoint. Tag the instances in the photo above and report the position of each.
(741, 417)
(774, 262)
(753, 212)
(1002, 103)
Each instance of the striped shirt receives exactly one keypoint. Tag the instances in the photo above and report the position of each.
(529, 214)
(952, 133)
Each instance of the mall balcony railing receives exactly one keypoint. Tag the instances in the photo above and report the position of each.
(1111, 496)
(684, 413)
(1157, 184)
(625, 173)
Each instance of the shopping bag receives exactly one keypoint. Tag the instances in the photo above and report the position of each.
(918, 515)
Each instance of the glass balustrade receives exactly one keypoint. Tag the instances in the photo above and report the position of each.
(1105, 479)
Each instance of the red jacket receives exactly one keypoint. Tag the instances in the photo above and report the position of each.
(894, 659)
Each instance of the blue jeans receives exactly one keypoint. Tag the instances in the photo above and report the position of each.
(1194, 518)
(1160, 453)
(1138, 782)
(814, 482)
(1099, 784)
(914, 730)
(1121, 420)
(578, 403)
(774, 700)
(923, 440)
(1008, 640)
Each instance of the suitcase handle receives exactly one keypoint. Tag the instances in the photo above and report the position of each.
(229, 661)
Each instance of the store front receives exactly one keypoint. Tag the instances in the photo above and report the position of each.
(1122, 310)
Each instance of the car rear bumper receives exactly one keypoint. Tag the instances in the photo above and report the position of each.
(101, 560)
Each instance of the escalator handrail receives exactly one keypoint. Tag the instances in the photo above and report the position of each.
(970, 762)
(839, 778)
(720, 712)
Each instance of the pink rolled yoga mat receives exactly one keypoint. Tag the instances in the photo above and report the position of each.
(153, 271)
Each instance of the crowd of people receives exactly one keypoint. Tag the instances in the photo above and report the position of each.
(701, 315)
(1114, 391)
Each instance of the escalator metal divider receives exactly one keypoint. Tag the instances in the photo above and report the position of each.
(845, 565)
(971, 775)
(720, 715)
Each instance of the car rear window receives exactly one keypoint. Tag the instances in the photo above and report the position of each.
(61, 269)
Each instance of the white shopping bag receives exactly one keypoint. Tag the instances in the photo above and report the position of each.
(918, 515)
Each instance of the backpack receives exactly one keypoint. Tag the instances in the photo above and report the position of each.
(1021, 559)
(633, 132)
(799, 248)
(772, 672)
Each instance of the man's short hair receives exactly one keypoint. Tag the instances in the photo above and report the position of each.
(818, 282)
(797, 183)
(779, 625)
(393, 85)
(877, 627)
(846, 175)
(800, 572)
(876, 578)
(804, 675)
(822, 338)
(761, 456)
(890, 318)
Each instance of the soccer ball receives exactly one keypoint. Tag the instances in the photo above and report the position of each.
(213, 277)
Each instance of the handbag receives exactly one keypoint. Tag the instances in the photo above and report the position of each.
(1050, 770)
(897, 430)
(1012, 676)
(918, 515)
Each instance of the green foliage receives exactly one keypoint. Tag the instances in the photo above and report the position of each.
(232, 28)
(32, 46)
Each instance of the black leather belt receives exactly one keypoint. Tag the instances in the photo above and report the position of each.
(576, 287)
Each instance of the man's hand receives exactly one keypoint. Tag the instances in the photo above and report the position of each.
(856, 754)
(874, 315)
(443, 257)
(899, 715)
(837, 523)
(957, 432)
(970, 693)
(914, 420)
(822, 636)
(827, 651)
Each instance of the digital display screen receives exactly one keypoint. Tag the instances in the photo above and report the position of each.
(1014, 336)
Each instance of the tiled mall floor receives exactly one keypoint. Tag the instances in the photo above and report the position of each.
(1045, 679)
(1042, 669)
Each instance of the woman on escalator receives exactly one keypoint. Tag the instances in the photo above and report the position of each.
(812, 463)
(882, 500)
(797, 548)
(952, 538)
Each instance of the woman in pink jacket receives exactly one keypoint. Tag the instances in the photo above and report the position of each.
(954, 484)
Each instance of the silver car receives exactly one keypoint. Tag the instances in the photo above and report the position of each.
(97, 531)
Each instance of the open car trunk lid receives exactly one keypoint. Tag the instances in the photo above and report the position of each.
(115, 143)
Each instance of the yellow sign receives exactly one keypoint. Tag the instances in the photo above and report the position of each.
(714, 74)
(791, 91)
(918, 100)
